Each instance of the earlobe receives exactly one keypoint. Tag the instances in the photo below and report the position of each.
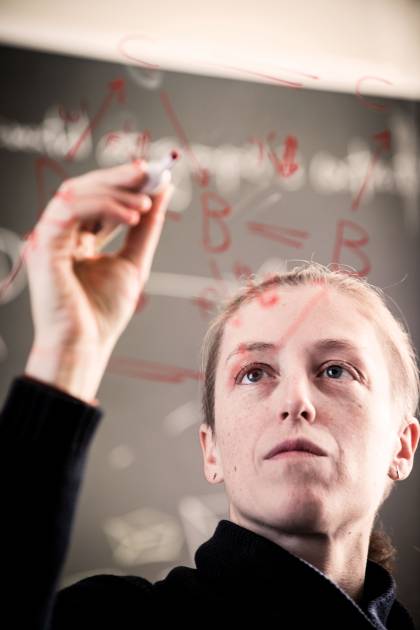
(394, 474)
(210, 455)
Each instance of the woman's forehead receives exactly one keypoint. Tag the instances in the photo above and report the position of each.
(301, 314)
(293, 307)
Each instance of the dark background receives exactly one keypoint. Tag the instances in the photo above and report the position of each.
(145, 505)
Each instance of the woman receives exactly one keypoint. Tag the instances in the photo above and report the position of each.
(328, 364)
(310, 391)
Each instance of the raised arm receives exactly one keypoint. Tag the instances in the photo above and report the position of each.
(81, 301)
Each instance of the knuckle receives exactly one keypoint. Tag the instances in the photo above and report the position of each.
(111, 205)
(66, 184)
(139, 164)
(115, 207)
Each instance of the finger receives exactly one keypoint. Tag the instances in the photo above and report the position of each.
(141, 241)
(129, 175)
(61, 219)
(135, 200)
(138, 202)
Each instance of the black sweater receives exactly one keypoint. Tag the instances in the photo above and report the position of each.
(240, 578)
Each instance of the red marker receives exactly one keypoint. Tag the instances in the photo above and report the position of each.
(158, 173)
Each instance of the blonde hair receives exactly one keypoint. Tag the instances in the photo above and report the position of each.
(396, 340)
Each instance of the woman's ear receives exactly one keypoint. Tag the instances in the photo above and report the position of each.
(409, 439)
(212, 461)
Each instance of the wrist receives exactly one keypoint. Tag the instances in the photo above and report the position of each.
(77, 371)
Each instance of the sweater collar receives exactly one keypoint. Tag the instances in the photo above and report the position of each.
(235, 555)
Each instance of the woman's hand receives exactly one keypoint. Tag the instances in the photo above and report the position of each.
(82, 300)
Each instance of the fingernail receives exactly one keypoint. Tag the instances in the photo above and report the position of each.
(145, 203)
(139, 163)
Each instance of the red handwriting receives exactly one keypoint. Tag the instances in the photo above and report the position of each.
(215, 216)
(139, 37)
(32, 241)
(137, 368)
(203, 178)
(266, 297)
(136, 37)
(384, 140)
(292, 328)
(42, 165)
(111, 138)
(69, 116)
(116, 90)
(201, 174)
(122, 45)
(141, 146)
(287, 165)
(354, 244)
(270, 77)
(216, 210)
(144, 139)
(151, 370)
(279, 234)
(204, 304)
(270, 297)
(67, 196)
(370, 104)
(217, 274)
(260, 145)
(241, 269)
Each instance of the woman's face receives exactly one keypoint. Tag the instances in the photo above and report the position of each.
(337, 396)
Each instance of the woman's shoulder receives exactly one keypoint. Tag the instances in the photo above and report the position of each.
(399, 618)
(102, 600)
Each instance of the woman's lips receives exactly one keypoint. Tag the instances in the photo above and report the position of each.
(293, 454)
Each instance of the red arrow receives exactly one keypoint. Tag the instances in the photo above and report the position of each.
(287, 165)
(202, 175)
(42, 165)
(116, 91)
(383, 138)
(274, 78)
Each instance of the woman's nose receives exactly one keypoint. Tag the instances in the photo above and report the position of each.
(294, 400)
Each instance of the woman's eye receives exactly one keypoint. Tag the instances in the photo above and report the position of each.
(336, 370)
(253, 372)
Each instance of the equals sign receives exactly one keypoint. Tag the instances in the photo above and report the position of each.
(287, 236)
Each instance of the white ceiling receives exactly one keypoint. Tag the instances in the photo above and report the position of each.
(370, 45)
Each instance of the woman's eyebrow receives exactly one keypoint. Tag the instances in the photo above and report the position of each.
(345, 345)
(253, 346)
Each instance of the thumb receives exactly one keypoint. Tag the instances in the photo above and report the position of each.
(141, 240)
